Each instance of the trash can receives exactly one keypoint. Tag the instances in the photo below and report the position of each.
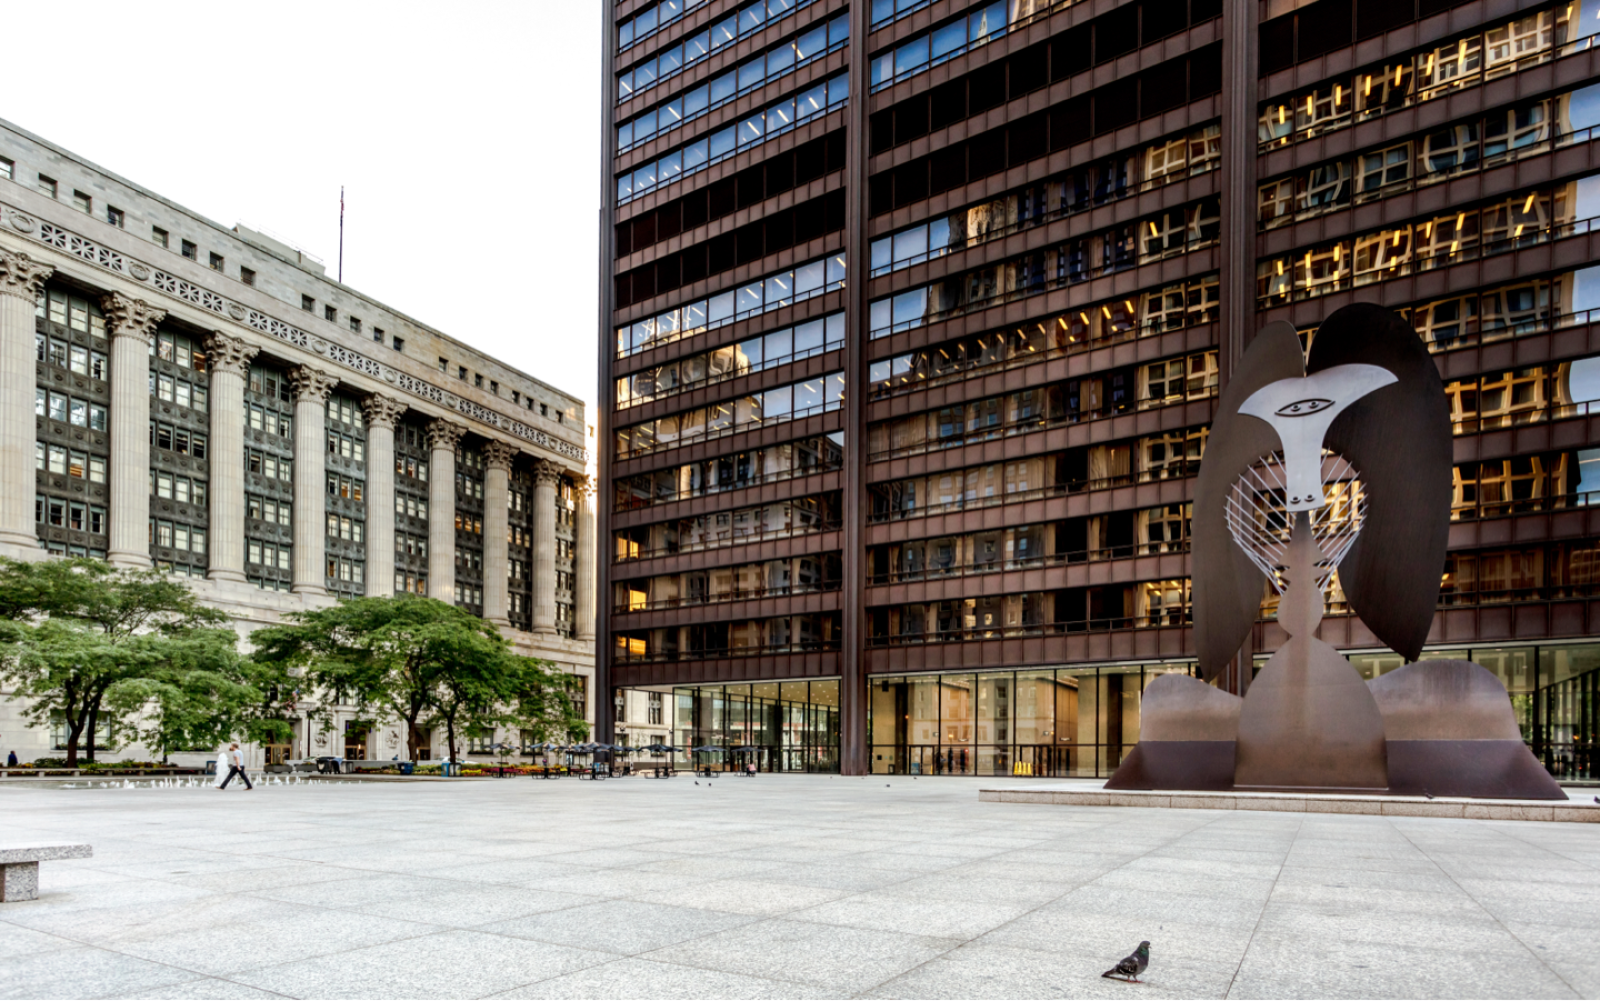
(407, 768)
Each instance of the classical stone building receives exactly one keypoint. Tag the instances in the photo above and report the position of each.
(177, 394)
(916, 313)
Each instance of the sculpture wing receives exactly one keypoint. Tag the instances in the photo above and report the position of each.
(1399, 440)
(1226, 585)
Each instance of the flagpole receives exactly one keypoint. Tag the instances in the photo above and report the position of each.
(341, 234)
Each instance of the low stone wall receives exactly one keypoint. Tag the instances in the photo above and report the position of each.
(1387, 806)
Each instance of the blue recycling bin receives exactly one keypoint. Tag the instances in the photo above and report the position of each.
(407, 768)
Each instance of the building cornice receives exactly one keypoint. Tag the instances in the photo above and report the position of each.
(158, 281)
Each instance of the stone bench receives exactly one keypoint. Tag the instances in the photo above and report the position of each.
(19, 868)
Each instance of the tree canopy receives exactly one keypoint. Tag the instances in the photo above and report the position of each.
(79, 638)
(420, 660)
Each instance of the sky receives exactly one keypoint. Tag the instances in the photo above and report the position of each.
(466, 136)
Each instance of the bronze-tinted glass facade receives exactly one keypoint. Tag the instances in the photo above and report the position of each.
(914, 317)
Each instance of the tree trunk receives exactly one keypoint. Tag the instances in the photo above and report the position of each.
(94, 721)
(74, 732)
(450, 735)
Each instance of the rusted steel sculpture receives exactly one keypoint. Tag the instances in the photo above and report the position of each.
(1340, 462)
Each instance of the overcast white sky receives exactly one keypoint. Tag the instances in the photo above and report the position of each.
(466, 136)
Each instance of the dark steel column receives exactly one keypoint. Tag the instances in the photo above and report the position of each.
(853, 759)
(1238, 279)
(604, 501)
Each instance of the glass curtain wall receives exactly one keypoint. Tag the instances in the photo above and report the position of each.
(1077, 721)
(1083, 721)
(788, 726)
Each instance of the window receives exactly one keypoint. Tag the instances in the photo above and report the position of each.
(217, 262)
(477, 381)
(307, 303)
(6, 168)
(47, 185)
(399, 344)
(82, 202)
(158, 236)
(355, 324)
(461, 372)
(247, 276)
(330, 314)
(444, 365)
(494, 387)
(516, 397)
(1385, 167)
(114, 216)
(190, 251)
(377, 334)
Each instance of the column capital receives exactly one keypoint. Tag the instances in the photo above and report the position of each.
(499, 455)
(311, 385)
(443, 434)
(129, 317)
(546, 473)
(22, 276)
(383, 411)
(229, 354)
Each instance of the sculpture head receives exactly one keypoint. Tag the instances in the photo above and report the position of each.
(1370, 395)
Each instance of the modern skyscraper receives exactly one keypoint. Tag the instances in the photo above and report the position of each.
(914, 317)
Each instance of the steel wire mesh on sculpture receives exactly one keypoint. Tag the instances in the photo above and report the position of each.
(1339, 463)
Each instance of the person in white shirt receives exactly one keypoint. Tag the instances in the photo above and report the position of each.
(235, 759)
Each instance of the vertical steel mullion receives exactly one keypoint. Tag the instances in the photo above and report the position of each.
(606, 396)
(1238, 235)
(853, 756)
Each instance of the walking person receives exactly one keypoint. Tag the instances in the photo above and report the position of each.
(235, 759)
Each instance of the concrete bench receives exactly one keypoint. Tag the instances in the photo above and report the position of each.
(19, 868)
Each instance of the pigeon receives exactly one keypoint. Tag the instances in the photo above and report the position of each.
(1130, 967)
(1427, 794)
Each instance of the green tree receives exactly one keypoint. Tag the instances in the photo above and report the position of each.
(491, 687)
(200, 693)
(74, 629)
(410, 658)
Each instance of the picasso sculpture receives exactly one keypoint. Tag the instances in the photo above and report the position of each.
(1332, 467)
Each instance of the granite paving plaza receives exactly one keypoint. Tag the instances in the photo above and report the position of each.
(777, 886)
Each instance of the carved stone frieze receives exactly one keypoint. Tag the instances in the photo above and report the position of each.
(129, 317)
(229, 354)
(311, 385)
(21, 275)
(15, 277)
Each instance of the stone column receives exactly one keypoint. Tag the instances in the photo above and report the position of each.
(583, 599)
(229, 359)
(383, 413)
(131, 323)
(21, 283)
(547, 475)
(442, 438)
(497, 458)
(311, 389)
